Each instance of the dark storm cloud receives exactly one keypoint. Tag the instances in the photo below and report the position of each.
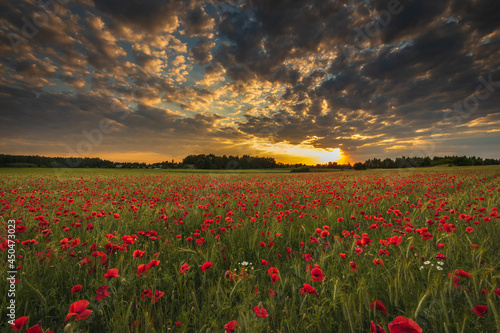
(414, 16)
(64, 117)
(150, 15)
(155, 119)
(32, 70)
(27, 21)
(482, 15)
(201, 52)
(198, 22)
(441, 51)
(268, 33)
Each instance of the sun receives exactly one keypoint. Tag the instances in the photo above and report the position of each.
(329, 155)
(304, 152)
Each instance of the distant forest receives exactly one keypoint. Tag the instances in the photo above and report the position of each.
(230, 162)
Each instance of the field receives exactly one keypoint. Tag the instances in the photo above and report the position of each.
(157, 251)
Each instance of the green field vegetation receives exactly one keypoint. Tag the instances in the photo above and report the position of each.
(80, 223)
(67, 172)
(74, 172)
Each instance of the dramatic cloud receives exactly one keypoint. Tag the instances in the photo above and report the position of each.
(201, 51)
(153, 16)
(298, 80)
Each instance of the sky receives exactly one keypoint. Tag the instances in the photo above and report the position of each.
(302, 81)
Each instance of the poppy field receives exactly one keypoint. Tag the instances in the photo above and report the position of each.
(150, 251)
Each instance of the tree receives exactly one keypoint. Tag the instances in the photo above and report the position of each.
(359, 166)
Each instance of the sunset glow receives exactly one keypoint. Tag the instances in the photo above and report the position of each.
(304, 152)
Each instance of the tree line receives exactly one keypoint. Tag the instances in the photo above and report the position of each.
(211, 161)
(416, 162)
(35, 161)
(229, 162)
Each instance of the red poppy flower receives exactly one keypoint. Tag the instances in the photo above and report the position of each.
(497, 291)
(178, 323)
(271, 292)
(480, 310)
(34, 329)
(206, 266)
(116, 216)
(469, 229)
(127, 239)
(440, 256)
(79, 310)
(256, 291)
(343, 256)
(148, 293)
(76, 288)
(378, 261)
(456, 280)
(184, 268)
(383, 252)
(394, 240)
(138, 253)
(307, 289)
(19, 323)
(230, 275)
(158, 295)
(463, 273)
(404, 325)
(229, 327)
(101, 293)
(152, 263)
(260, 312)
(85, 261)
(378, 305)
(141, 269)
(317, 275)
(376, 328)
(112, 273)
(353, 266)
(272, 270)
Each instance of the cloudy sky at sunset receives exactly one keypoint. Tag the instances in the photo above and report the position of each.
(302, 81)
